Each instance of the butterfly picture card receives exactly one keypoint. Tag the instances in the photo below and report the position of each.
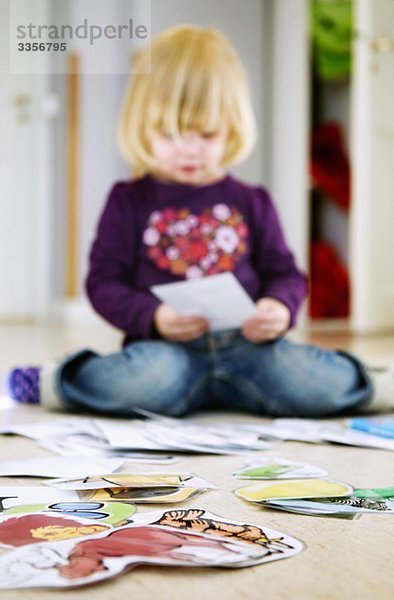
(297, 489)
(279, 468)
(274, 545)
(77, 562)
(109, 513)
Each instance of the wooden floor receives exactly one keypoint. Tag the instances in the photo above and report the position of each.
(342, 559)
(35, 343)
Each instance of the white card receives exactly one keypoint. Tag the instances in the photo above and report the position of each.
(219, 298)
(56, 466)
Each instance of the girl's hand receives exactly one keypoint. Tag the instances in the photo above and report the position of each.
(272, 319)
(178, 328)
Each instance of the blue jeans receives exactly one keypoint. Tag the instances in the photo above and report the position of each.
(219, 370)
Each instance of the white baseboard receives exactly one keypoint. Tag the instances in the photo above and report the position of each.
(75, 311)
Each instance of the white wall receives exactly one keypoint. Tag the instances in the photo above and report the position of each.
(288, 144)
(372, 144)
(25, 177)
(100, 163)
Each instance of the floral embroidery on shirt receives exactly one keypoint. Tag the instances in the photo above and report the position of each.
(196, 245)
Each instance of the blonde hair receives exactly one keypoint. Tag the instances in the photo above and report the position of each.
(196, 81)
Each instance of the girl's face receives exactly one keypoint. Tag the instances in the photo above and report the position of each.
(193, 158)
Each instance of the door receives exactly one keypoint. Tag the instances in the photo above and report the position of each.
(24, 184)
(372, 218)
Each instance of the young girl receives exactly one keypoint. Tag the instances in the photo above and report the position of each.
(182, 217)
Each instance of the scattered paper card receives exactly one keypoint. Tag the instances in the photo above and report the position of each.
(377, 500)
(382, 426)
(20, 530)
(313, 430)
(219, 298)
(37, 431)
(280, 468)
(138, 487)
(179, 435)
(124, 480)
(58, 466)
(146, 495)
(80, 437)
(300, 488)
(131, 480)
(70, 563)
(15, 495)
(273, 544)
(378, 493)
(176, 538)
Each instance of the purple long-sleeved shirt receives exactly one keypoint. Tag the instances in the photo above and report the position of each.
(152, 232)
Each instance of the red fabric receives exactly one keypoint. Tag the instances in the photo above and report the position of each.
(330, 171)
(330, 290)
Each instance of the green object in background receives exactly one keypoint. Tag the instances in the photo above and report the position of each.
(332, 34)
